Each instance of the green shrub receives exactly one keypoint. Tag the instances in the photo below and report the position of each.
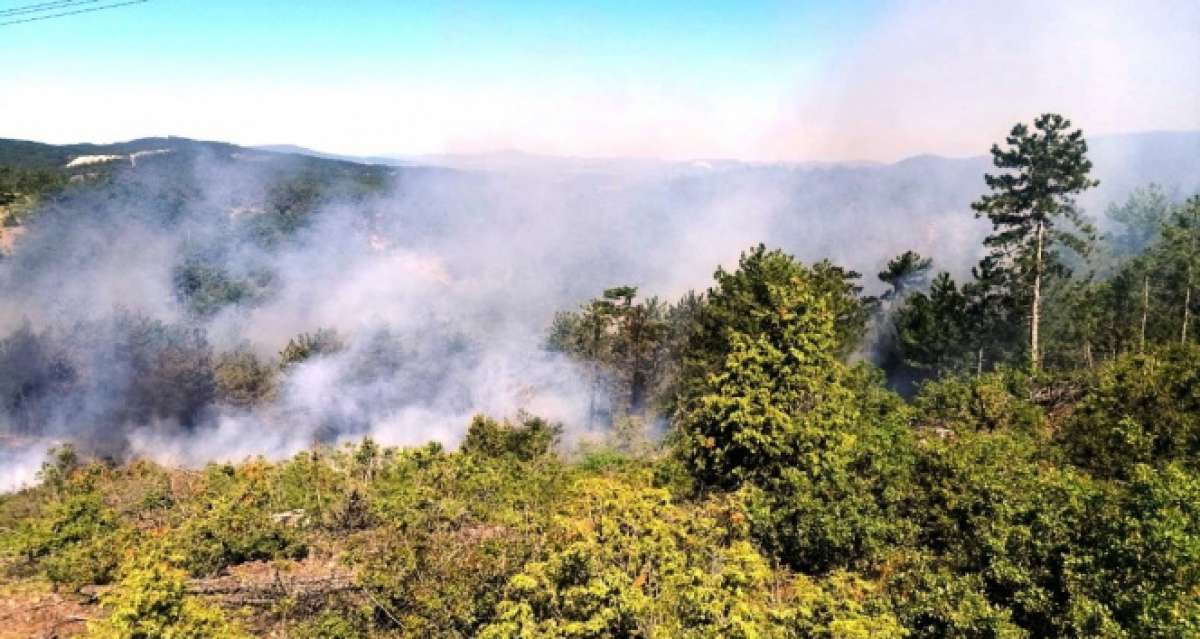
(823, 447)
(233, 524)
(531, 437)
(77, 541)
(1142, 409)
(325, 341)
(841, 606)
(336, 624)
(243, 380)
(993, 401)
(454, 528)
(626, 562)
(934, 602)
(1135, 563)
(150, 602)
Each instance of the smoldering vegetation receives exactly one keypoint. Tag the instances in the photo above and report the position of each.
(216, 302)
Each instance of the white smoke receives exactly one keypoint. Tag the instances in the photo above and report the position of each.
(442, 285)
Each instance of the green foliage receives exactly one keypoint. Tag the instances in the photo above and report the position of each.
(784, 415)
(22, 189)
(529, 439)
(975, 530)
(760, 297)
(61, 463)
(1141, 296)
(76, 541)
(842, 606)
(150, 602)
(993, 510)
(1180, 257)
(995, 401)
(454, 528)
(953, 329)
(626, 562)
(1043, 170)
(335, 624)
(1033, 213)
(768, 407)
(243, 380)
(1140, 409)
(1141, 218)
(233, 525)
(1135, 566)
(626, 348)
(325, 341)
(905, 272)
(204, 288)
(933, 601)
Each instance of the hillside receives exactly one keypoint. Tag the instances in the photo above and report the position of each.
(256, 248)
(253, 393)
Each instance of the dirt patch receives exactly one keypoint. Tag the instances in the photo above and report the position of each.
(42, 616)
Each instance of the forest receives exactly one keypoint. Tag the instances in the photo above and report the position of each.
(1007, 451)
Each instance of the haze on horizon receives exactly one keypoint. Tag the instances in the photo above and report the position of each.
(759, 81)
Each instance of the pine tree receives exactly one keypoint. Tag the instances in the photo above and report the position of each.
(905, 272)
(1181, 248)
(931, 327)
(1043, 170)
(1141, 217)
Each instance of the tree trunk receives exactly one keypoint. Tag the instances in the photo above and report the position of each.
(1145, 312)
(597, 334)
(1187, 295)
(1035, 314)
(592, 395)
(1187, 303)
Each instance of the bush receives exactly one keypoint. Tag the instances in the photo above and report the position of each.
(149, 601)
(934, 602)
(325, 341)
(233, 524)
(1136, 562)
(76, 542)
(822, 446)
(336, 624)
(530, 438)
(1142, 409)
(243, 380)
(624, 561)
(995, 511)
(842, 606)
(993, 401)
(455, 528)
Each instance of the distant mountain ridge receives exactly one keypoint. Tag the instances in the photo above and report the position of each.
(814, 209)
(1166, 156)
(1169, 145)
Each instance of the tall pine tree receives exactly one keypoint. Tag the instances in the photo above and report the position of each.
(1042, 170)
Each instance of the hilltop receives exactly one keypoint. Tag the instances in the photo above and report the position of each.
(246, 392)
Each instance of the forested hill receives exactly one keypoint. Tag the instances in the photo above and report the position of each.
(815, 210)
(462, 264)
(1124, 162)
(250, 393)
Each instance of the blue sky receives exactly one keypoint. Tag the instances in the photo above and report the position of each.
(756, 80)
(692, 41)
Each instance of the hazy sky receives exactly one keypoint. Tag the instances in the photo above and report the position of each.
(750, 80)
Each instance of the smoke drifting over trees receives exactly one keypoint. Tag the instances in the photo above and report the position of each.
(216, 302)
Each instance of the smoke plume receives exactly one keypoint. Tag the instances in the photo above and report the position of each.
(136, 302)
